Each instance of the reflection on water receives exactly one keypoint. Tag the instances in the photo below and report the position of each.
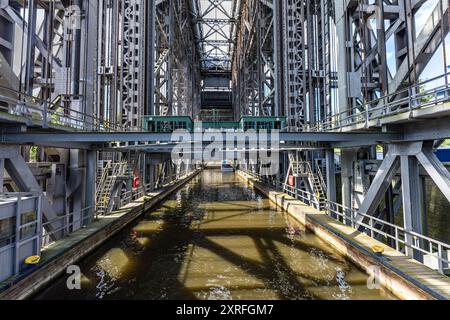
(216, 239)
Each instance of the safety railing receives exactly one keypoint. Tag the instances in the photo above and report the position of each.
(23, 237)
(12, 196)
(403, 240)
(66, 224)
(406, 241)
(405, 100)
(306, 197)
(131, 195)
(137, 193)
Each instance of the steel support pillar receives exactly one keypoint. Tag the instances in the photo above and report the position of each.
(31, 46)
(412, 213)
(76, 54)
(75, 185)
(91, 169)
(342, 55)
(2, 173)
(331, 176)
(151, 45)
(347, 158)
(89, 71)
(277, 39)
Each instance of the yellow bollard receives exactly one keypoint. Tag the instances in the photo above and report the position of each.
(32, 260)
(378, 250)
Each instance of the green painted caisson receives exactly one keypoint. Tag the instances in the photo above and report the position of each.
(165, 124)
(262, 123)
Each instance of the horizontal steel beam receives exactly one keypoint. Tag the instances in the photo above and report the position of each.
(429, 129)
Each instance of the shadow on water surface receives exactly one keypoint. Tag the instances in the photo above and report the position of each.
(216, 239)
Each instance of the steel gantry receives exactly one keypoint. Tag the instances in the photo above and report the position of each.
(177, 62)
(254, 77)
(388, 47)
(285, 60)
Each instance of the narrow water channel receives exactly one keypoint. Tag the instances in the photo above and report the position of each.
(216, 239)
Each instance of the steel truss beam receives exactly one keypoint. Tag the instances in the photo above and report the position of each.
(255, 80)
(369, 33)
(97, 137)
(177, 70)
(305, 63)
(215, 30)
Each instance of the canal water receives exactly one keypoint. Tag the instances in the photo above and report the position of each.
(216, 238)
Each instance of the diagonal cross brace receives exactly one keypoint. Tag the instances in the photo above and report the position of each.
(436, 170)
(26, 182)
(379, 186)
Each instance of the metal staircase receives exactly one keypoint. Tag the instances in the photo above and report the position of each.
(316, 180)
(318, 190)
(102, 173)
(104, 191)
(321, 172)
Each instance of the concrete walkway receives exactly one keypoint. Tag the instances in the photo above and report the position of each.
(56, 257)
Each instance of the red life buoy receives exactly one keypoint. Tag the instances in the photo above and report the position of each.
(291, 181)
(136, 182)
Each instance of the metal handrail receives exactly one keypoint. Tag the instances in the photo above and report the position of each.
(400, 233)
(12, 195)
(67, 117)
(84, 220)
(374, 226)
(130, 195)
(387, 105)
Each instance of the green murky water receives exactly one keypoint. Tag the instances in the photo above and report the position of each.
(216, 239)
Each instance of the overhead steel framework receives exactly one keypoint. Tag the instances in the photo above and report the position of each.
(176, 79)
(388, 47)
(215, 31)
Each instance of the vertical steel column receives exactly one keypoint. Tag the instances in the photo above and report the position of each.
(411, 36)
(381, 42)
(341, 28)
(277, 38)
(2, 174)
(76, 51)
(151, 45)
(134, 61)
(259, 53)
(423, 204)
(331, 176)
(31, 47)
(347, 157)
(170, 61)
(89, 72)
(91, 168)
(17, 234)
